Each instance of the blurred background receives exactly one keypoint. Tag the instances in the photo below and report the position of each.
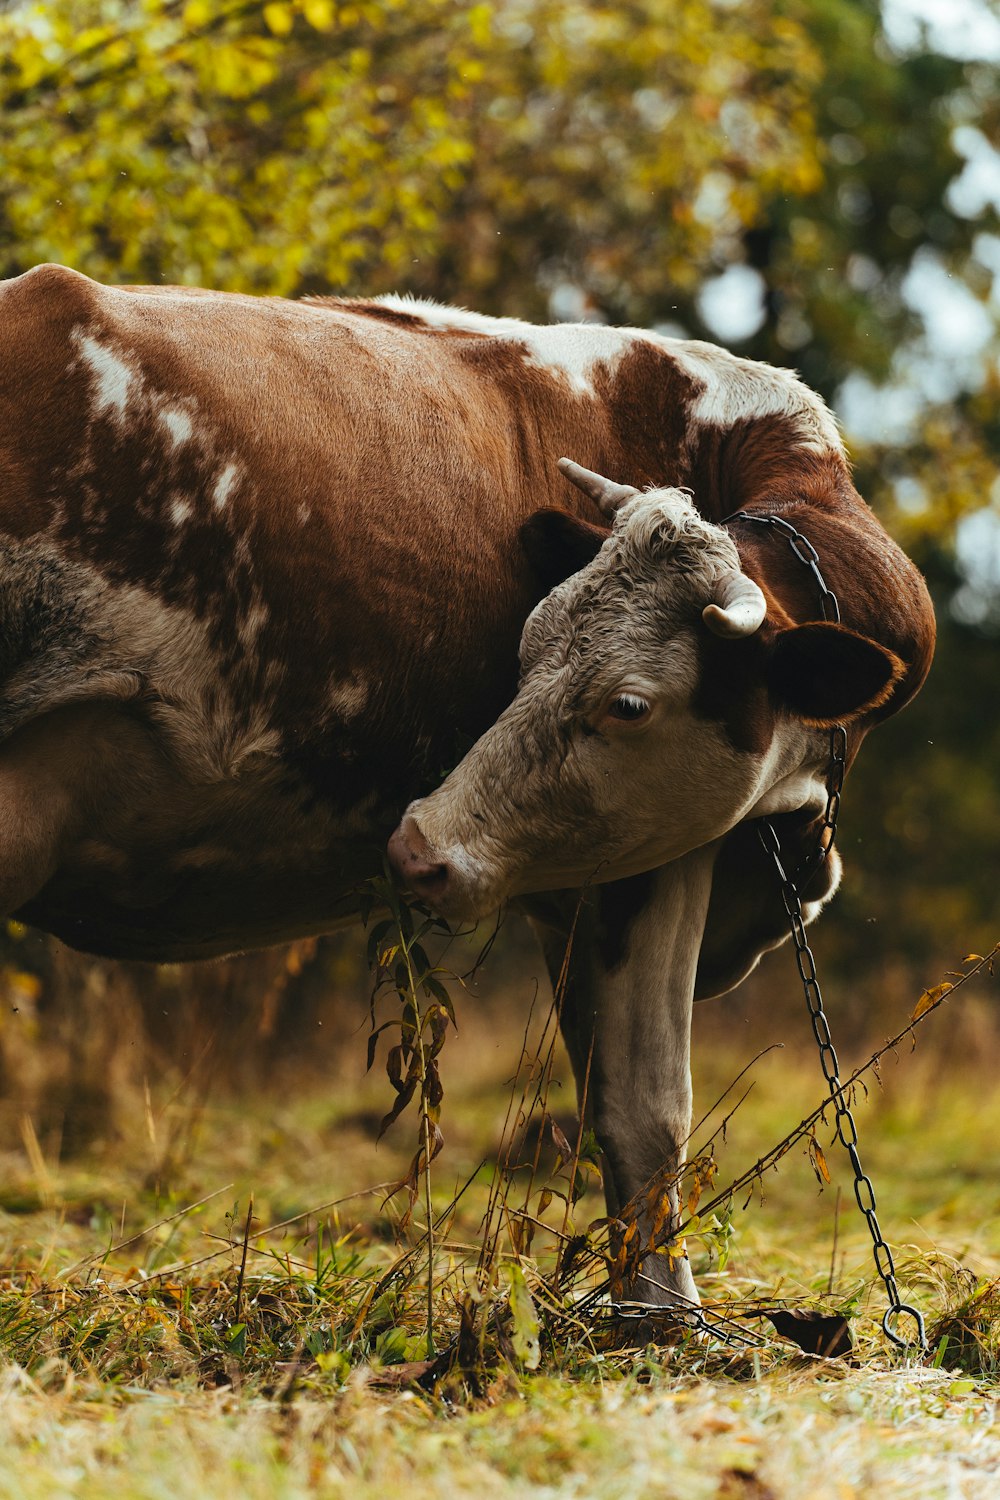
(811, 182)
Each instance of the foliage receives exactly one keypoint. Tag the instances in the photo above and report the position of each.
(300, 145)
(137, 1353)
(485, 151)
(269, 147)
(533, 156)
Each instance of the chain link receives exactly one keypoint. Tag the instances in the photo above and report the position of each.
(847, 1130)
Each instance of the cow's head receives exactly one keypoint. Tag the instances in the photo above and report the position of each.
(659, 704)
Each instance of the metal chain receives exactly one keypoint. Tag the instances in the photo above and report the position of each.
(847, 1130)
(829, 605)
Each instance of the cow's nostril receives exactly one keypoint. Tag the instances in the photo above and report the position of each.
(429, 878)
(414, 861)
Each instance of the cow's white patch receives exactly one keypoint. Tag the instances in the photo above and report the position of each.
(253, 622)
(205, 735)
(178, 424)
(734, 389)
(303, 512)
(114, 380)
(348, 696)
(224, 485)
(570, 350)
(180, 510)
(793, 771)
(739, 390)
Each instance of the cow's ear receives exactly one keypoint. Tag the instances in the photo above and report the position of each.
(824, 673)
(559, 544)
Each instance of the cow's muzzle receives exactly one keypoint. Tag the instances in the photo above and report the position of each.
(418, 868)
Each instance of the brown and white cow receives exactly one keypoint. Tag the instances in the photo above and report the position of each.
(264, 568)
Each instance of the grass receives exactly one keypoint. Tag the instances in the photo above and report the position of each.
(157, 1341)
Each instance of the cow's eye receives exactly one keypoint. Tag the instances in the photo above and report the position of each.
(628, 707)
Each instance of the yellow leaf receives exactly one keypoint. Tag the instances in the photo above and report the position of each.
(278, 18)
(973, 958)
(818, 1160)
(526, 1329)
(197, 13)
(929, 999)
(320, 14)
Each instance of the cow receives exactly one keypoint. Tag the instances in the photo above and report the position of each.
(266, 567)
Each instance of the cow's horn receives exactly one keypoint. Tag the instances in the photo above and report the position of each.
(738, 609)
(606, 494)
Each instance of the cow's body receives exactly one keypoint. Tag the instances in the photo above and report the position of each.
(261, 584)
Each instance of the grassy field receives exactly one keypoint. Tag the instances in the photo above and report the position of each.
(157, 1341)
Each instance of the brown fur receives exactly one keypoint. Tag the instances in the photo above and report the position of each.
(368, 544)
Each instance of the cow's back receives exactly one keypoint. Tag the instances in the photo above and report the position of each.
(273, 546)
(322, 496)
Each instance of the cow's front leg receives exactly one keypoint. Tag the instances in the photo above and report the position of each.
(626, 1019)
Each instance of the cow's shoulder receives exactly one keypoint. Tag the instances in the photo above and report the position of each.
(732, 391)
(52, 291)
(574, 355)
(38, 312)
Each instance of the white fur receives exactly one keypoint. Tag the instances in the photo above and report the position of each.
(168, 647)
(734, 389)
(348, 696)
(115, 382)
(643, 1040)
(178, 424)
(253, 623)
(224, 485)
(571, 350)
(738, 390)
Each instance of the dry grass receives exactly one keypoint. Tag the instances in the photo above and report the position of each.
(154, 1345)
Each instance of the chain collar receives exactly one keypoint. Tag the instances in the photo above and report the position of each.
(847, 1132)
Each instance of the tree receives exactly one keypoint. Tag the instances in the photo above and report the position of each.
(618, 158)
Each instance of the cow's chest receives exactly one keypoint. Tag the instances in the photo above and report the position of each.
(210, 871)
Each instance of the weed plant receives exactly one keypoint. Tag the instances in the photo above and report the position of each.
(492, 1289)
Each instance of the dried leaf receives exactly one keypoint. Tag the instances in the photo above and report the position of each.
(526, 1325)
(418, 1372)
(818, 1161)
(376, 937)
(827, 1334)
(573, 1251)
(562, 1145)
(676, 1251)
(929, 999)
(527, 1236)
(436, 989)
(394, 1067)
(402, 1100)
(660, 1217)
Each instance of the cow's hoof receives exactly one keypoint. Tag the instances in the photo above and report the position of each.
(636, 1326)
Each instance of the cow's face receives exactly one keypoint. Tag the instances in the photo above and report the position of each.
(657, 708)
